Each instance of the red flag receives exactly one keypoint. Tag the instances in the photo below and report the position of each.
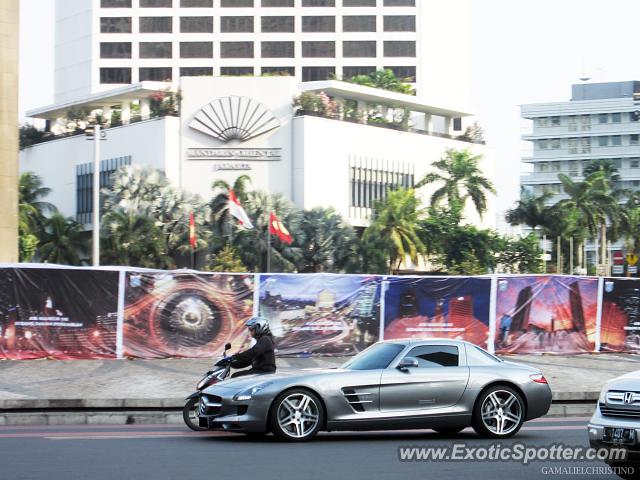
(192, 231)
(277, 228)
(238, 212)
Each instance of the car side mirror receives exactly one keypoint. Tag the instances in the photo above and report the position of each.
(406, 363)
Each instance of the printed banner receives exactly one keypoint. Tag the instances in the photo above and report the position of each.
(546, 314)
(321, 314)
(620, 328)
(58, 313)
(436, 307)
(174, 314)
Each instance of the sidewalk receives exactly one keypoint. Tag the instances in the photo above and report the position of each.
(43, 389)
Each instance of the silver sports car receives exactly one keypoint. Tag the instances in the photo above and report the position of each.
(444, 385)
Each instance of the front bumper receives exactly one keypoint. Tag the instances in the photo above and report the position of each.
(596, 429)
(219, 411)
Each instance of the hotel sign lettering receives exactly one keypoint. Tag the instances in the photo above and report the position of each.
(246, 154)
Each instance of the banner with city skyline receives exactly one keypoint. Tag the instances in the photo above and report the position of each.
(438, 307)
(58, 313)
(620, 326)
(546, 314)
(321, 314)
(176, 314)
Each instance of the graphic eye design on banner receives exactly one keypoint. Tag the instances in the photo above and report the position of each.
(620, 330)
(58, 313)
(430, 307)
(169, 314)
(546, 314)
(321, 314)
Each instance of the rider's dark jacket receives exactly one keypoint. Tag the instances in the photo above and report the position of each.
(261, 356)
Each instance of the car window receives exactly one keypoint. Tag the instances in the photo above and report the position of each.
(478, 356)
(434, 356)
(376, 357)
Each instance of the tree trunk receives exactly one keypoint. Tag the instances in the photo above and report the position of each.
(603, 246)
(580, 252)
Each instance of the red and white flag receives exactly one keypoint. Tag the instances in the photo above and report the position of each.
(277, 228)
(192, 231)
(237, 211)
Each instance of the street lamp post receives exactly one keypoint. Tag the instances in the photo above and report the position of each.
(95, 234)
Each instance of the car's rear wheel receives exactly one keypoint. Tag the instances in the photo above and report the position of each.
(498, 413)
(449, 430)
(296, 415)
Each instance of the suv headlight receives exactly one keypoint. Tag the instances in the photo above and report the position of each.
(603, 395)
(250, 392)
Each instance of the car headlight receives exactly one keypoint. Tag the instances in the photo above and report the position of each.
(603, 395)
(250, 392)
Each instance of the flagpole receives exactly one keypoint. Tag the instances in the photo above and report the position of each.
(268, 237)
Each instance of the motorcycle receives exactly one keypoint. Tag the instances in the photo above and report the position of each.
(220, 371)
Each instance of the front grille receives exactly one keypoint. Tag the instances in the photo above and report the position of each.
(354, 399)
(619, 412)
(210, 405)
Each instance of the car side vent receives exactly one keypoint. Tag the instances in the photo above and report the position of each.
(356, 400)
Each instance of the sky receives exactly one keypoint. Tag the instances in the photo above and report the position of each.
(523, 51)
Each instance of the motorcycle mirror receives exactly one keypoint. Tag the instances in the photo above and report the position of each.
(227, 347)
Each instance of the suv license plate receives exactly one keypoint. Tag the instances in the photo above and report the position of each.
(621, 436)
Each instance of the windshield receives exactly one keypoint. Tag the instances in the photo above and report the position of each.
(376, 357)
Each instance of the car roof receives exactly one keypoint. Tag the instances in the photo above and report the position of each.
(426, 341)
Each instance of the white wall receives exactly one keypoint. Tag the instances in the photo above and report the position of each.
(148, 143)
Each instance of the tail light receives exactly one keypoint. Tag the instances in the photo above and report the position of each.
(538, 378)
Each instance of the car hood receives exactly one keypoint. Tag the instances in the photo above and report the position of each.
(252, 380)
(628, 381)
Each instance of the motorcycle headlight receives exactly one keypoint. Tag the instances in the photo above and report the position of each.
(250, 392)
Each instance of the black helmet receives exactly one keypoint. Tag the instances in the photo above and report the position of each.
(259, 325)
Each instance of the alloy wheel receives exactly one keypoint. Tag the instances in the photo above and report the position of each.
(298, 415)
(501, 412)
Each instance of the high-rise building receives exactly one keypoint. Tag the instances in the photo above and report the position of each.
(105, 43)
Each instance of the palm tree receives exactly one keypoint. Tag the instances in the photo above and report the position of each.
(63, 241)
(530, 210)
(31, 208)
(329, 243)
(461, 179)
(395, 223)
(604, 165)
(220, 216)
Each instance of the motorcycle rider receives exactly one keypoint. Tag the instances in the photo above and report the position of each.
(261, 356)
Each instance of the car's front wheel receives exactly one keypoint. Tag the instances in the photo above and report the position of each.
(499, 412)
(296, 415)
(190, 415)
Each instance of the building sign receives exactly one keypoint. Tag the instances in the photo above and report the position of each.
(253, 154)
(231, 166)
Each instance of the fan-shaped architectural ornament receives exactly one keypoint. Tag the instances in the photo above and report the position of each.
(234, 118)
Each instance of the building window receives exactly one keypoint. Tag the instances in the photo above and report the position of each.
(196, 3)
(278, 24)
(399, 3)
(554, 143)
(236, 24)
(603, 118)
(543, 144)
(634, 139)
(555, 121)
(236, 3)
(196, 71)
(115, 49)
(399, 23)
(359, 49)
(196, 49)
(585, 145)
(312, 74)
(156, 24)
(399, 49)
(318, 3)
(236, 71)
(279, 71)
(115, 25)
(319, 49)
(572, 122)
(634, 163)
(236, 49)
(115, 75)
(348, 72)
(84, 184)
(616, 117)
(115, 3)
(603, 141)
(156, 3)
(155, 50)
(277, 3)
(406, 74)
(616, 140)
(370, 184)
(319, 24)
(359, 23)
(156, 74)
(278, 50)
(358, 3)
(572, 144)
(196, 24)
(585, 122)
